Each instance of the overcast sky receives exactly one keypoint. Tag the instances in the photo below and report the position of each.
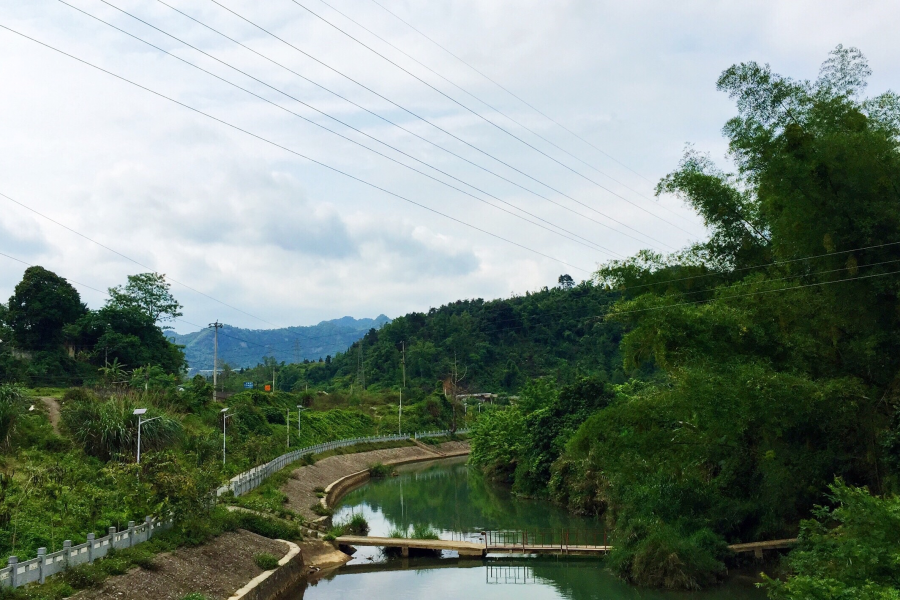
(247, 221)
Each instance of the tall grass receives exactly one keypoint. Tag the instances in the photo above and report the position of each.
(107, 428)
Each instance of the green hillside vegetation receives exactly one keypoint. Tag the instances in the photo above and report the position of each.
(498, 346)
(776, 348)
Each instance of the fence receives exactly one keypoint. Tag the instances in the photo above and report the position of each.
(249, 480)
(545, 538)
(17, 574)
(38, 569)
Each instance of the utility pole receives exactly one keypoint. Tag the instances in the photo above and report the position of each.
(456, 379)
(273, 377)
(216, 327)
(400, 414)
(403, 362)
(360, 363)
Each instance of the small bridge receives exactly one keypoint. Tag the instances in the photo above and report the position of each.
(528, 542)
(508, 542)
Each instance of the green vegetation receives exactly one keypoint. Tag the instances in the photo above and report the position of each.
(191, 532)
(265, 561)
(849, 550)
(380, 470)
(355, 525)
(764, 360)
(194, 596)
(418, 532)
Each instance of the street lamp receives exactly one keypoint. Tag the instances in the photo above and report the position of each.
(224, 419)
(139, 412)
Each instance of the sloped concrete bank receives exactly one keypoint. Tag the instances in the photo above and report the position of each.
(337, 475)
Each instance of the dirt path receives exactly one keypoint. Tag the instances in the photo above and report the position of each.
(301, 487)
(52, 405)
(216, 570)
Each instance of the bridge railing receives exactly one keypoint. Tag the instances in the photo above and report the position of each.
(544, 538)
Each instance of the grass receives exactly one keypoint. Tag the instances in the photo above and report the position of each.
(194, 596)
(419, 532)
(265, 561)
(320, 510)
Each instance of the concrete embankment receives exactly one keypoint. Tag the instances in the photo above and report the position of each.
(339, 474)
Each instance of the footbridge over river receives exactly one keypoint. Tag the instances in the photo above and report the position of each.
(495, 542)
(526, 542)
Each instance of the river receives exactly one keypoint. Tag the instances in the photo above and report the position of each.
(450, 497)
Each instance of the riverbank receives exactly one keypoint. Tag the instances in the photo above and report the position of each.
(306, 483)
(216, 569)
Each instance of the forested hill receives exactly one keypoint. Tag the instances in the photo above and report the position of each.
(247, 347)
(498, 345)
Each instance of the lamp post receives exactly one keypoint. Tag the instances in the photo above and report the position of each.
(140, 412)
(224, 419)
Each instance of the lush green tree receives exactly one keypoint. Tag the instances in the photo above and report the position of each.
(848, 550)
(149, 292)
(775, 343)
(42, 304)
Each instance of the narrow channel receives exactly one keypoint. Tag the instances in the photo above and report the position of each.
(452, 498)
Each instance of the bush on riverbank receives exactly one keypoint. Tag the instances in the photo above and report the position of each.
(849, 550)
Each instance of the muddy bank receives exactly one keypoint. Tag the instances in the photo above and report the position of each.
(301, 487)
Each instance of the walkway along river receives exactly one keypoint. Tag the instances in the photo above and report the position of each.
(452, 498)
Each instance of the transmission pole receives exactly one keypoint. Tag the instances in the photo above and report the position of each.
(216, 327)
(361, 366)
(403, 363)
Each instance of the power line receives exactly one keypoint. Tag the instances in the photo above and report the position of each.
(385, 119)
(520, 99)
(423, 119)
(285, 148)
(486, 120)
(571, 236)
(495, 109)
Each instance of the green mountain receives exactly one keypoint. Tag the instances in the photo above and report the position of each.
(498, 345)
(246, 347)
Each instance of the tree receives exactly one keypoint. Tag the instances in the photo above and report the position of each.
(150, 293)
(566, 282)
(43, 303)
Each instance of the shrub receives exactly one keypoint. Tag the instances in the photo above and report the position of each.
(322, 511)
(265, 561)
(849, 551)
(308, 459)
(379, 470)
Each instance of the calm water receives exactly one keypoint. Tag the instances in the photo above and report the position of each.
(449, 497)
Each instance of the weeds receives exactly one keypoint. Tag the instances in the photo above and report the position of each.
(265, 561)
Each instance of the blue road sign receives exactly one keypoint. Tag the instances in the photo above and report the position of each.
(248, 385)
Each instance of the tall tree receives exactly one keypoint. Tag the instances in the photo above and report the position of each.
(43, 303)
(150, 293)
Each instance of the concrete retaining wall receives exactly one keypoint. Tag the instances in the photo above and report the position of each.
(272, 584)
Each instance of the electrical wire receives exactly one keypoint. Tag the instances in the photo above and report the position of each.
(423, 119)
(389, 121)
(486, 120)
(287, 149)
(494, 108)
(520, 99)
(571, 235)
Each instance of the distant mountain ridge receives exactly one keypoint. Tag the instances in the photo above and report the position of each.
(246, 347)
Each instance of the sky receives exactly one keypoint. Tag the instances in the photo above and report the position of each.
(465, 191)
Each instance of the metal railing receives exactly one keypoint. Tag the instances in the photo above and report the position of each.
(544, 538)
(250, 480)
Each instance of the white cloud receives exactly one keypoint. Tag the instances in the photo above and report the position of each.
(294, 243)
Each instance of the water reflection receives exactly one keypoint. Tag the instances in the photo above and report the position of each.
(449, 497)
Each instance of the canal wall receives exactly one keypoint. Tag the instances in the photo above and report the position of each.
(337, 475)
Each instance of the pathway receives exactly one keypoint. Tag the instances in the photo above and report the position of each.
(52, 405)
